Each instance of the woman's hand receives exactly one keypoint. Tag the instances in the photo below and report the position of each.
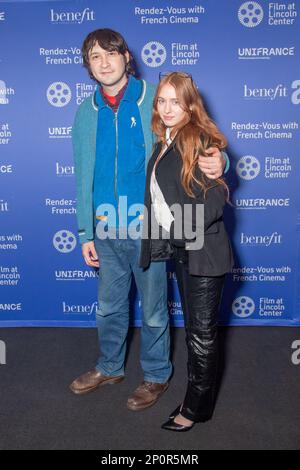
(212, 166)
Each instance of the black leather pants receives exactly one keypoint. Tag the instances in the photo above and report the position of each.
(200, 298)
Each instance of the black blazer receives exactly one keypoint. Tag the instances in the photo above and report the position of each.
(215, 258)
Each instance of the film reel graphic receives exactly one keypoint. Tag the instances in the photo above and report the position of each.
(154, 54)
(64, 241)
(59, 94)
(250, 14)
(248, 167)
(243, 307)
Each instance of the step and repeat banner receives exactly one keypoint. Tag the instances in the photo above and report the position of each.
(244, 57)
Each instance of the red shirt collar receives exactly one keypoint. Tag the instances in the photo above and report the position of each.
(113, 101)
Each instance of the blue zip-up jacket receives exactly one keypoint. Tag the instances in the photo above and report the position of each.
(84, 137)
(120, 158)
(94, 177)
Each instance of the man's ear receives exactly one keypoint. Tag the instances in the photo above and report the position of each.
(127, 57)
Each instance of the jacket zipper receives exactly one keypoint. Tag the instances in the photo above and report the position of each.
(116, 158)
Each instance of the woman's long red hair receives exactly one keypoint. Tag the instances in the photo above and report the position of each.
(194, 135)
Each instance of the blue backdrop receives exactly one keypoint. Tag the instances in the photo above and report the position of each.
(245, 59)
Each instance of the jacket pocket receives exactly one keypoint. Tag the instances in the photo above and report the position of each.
(137, 157)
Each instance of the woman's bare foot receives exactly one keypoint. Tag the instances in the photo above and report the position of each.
(179, 419)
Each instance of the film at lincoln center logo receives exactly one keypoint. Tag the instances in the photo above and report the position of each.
(250, 14)
(154, 54)
(59, 94)
(243, 307)
(248, 167)
(64, 241)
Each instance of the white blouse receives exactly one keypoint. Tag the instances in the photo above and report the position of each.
(161, 209)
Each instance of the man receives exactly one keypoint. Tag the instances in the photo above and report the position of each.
(113, 142)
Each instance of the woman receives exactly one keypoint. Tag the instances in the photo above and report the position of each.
(175, 181)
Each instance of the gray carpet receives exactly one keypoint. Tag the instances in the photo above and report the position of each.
(258, 405)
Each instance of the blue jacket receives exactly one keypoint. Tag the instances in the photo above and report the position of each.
(84, 135)
(120, 158)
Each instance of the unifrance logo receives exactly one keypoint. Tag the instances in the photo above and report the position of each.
(248, 168)
(75, 275)
(265, 52)
(154, 54)
(59, 94)
(60, 132)
(261, 203)
(2, 15)
(250, 14)
(64, 241)
(11, 307)
(243, 307)
(5, 169)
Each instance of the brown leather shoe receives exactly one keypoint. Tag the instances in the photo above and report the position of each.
(91, 381)
(146, 395)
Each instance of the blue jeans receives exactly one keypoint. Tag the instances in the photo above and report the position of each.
(119, 260)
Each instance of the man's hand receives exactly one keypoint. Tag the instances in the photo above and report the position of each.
(90, 255)
(212, 166)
